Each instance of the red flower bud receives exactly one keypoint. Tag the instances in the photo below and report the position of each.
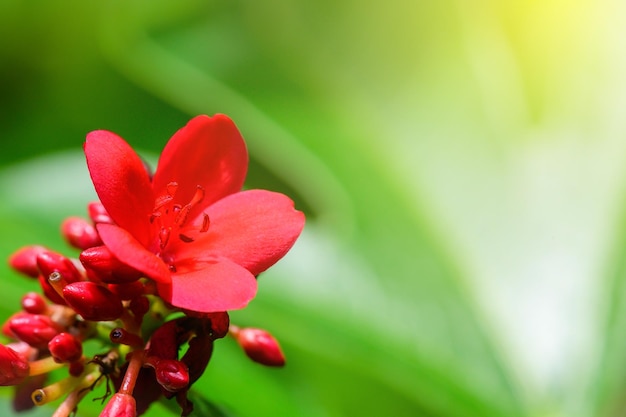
(24, 260)
(34, 303)
(80, 233)
(49, 262)
(172, 374)
(65, 347)
(120, 405)
(98, 214)
(35, 329)
(107, 267)
(65, 270)
(260, 346)
(13, 367)
(92, 301)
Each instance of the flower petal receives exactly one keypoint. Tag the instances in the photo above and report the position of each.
(208, 151)
(252, 228)
(217, 285)
(130, 252)
(121, 181)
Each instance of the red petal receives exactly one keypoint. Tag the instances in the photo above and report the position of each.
(129, 251)
(252, 228)
(217, 285)
(121, 181)
(208, 151)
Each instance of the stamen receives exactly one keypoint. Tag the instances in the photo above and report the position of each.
(155, 216)
(205, 223)
(181, 218)
(165, 199)
(171, 188)
(168, 217)
(198, 196)
(164, 236)
(185, 239)
(162, 201)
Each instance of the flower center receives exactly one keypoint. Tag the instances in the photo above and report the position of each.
(171, 219)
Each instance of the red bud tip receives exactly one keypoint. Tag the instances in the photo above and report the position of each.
(98, 214)
(23, 349)
(49, 262)
(35, 329)
(107, 267)
(79, 233)
(24, 260)
(120, 405)
(65, 347)
(34, 303)
(260, 346)
(6, 326)
(172, 375)
(92, 301)
(13, 367)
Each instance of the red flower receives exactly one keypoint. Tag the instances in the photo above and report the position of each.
(190, 228)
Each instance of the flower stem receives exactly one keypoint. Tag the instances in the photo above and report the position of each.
(67, 407)
(58, 282)
(54, 391)
(130, 322)
(43, 366)
(132, 372)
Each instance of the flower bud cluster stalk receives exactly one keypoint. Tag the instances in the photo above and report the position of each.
(137, 280)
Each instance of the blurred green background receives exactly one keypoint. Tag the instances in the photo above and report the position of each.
(461, 165)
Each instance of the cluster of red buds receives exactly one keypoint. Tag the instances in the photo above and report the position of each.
(99, 326)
